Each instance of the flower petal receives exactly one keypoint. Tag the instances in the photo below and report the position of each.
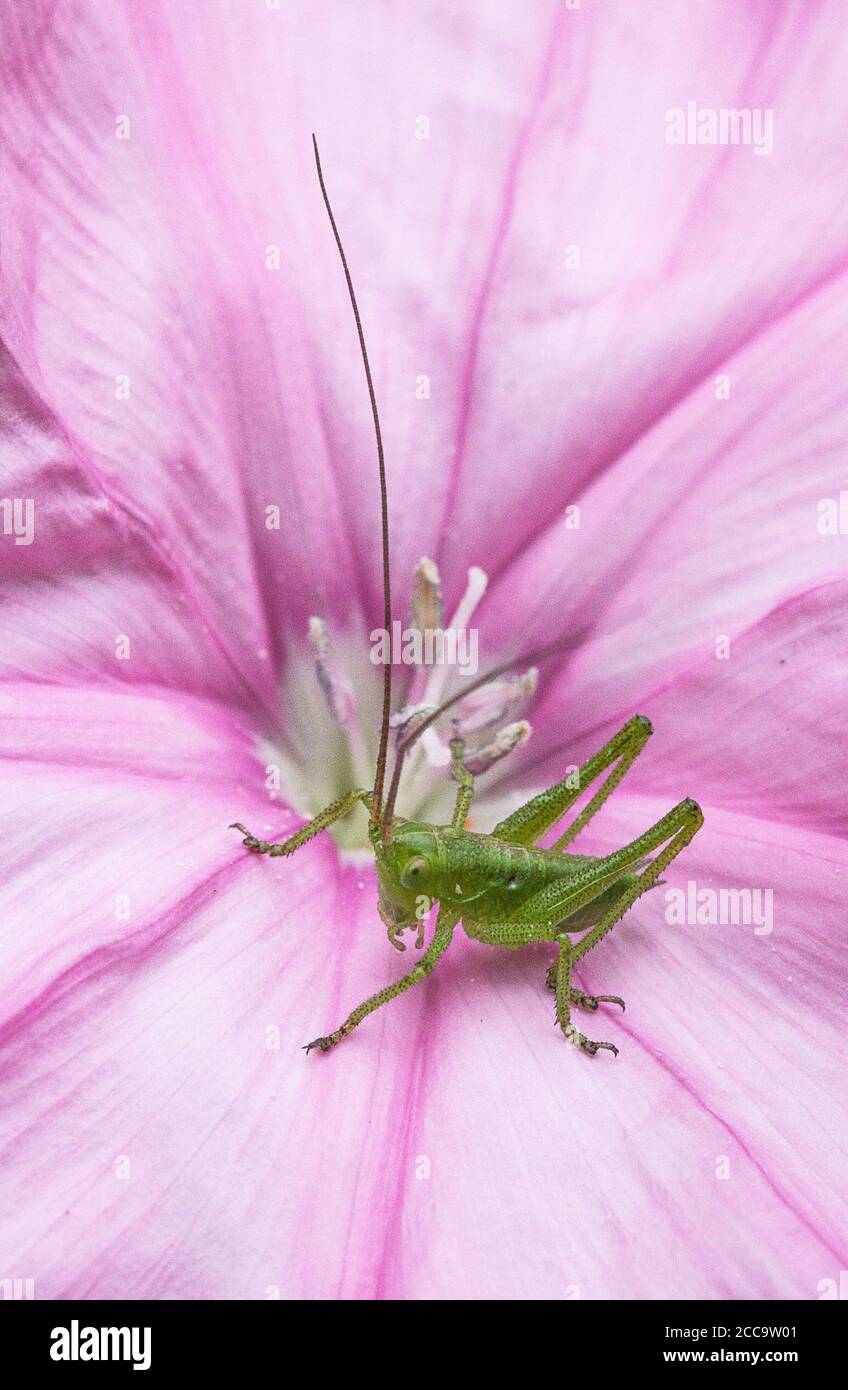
(751, 725)
(705, 526)
(164, 1139)
(584, 1184)
(143, 257)
(128, 607)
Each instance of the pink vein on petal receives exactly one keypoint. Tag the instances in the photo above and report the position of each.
(690, 1091)
(508, 196)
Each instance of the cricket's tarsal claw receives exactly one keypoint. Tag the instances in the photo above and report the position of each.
(323, 1045)
(591, 1001)
(249, 841)
(580, 1040)
(607, 999)
(581, 1000)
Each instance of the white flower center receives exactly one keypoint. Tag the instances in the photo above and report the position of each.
(333, 697)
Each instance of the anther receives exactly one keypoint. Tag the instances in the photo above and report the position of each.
(504, 742)
(427, 608)
(338, 691)
(496, 702)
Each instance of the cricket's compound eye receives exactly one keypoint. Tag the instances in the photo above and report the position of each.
(411, 875)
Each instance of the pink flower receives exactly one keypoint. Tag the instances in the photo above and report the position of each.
(564, 310)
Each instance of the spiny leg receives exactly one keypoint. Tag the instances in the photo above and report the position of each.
(578, 997)
(677, 828)
(330, 813)
(688, 819)
(526, 825)
(445, 924)
(515, 934)
(564, 993)
(637, 732)
(543, 916)
(461, 775)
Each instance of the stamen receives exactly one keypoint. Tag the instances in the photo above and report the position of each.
(427, 608)
(437, 754)
(336, 687)
(405, 721)
(487, 719)
(492, 705)
(504, 742)
(478, 582)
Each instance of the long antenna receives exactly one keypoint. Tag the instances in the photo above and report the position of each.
(404, 744)
(380, 773)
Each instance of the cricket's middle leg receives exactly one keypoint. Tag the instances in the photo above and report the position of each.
(465, 781)
(515, 934)
(670, 835)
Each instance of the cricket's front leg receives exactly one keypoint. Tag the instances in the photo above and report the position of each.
(445, 924)
(564, 999)
(325, 818)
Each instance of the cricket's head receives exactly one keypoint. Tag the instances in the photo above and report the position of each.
(407, 872)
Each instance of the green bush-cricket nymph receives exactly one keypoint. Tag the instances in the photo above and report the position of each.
(502, 887)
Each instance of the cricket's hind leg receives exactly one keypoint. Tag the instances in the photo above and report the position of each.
(566, 996)
(669, 836)
(515, 934)
(583, 1001)
(532, 820)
